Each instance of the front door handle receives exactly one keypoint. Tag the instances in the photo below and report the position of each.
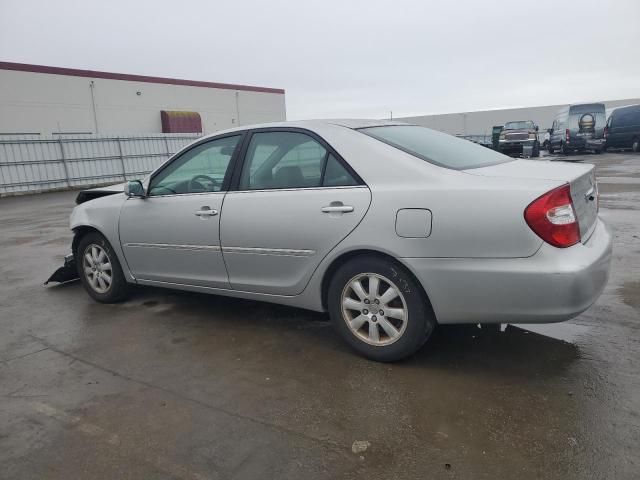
(206, 212)
(337, 207)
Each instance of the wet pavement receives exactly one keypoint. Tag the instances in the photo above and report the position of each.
(188, 386)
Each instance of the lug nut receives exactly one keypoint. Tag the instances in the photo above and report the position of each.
(365, 311)
(374, 318)
(376, 301)
(381, 312)
(366, 300)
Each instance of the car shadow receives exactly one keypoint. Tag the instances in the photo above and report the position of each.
(512, 350)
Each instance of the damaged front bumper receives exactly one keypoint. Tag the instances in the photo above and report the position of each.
(66, 273)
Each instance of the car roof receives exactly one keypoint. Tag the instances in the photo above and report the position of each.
(351, 123)
(625, 108)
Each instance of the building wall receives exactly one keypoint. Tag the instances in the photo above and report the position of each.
(47, 103)
(480, 123)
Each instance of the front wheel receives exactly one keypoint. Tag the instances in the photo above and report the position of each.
(379, 309)
(551, 150)
(99, 269)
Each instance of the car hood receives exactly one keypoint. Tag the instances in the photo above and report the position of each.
(92, 193)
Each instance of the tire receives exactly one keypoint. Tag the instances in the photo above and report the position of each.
(536, 150)
(564, 150)
(411, 329)
(635, 145)
(551, 150)
(94, 272)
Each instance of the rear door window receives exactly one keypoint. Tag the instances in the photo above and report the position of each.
(282, 160)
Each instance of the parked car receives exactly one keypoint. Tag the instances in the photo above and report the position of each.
(391, 228)
(578, 128)
(516, 135)
(623, 128)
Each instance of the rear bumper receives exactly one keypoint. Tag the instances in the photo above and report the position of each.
(579, 143)
(551, 286)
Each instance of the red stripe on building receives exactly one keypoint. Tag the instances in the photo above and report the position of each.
(73, 72)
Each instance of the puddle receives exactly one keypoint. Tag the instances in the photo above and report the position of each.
(630, 293)
(567, 332)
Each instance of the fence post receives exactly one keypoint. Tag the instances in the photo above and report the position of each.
(124, 171)
(166, 146)
(64, 162)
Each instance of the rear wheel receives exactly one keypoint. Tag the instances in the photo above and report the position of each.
(379, 309)
(551, 150)
(564, 149)
(635, 146)
(100, 270)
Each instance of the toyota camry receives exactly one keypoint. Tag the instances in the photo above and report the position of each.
(392, 228)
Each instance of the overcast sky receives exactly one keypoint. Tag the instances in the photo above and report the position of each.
(342, 58)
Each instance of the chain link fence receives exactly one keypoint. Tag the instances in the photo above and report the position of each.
(40, 163)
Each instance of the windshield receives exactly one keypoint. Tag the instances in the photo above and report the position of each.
(519, 125)
(436, 147)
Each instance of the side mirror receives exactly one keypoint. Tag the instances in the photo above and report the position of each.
(134, 188)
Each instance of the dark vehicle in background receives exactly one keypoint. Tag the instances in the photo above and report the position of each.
(578, 128)
(516, 135)
(623, 128)
(495, 136)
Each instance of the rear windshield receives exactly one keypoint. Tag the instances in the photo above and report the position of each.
(519, 126)
(436, 147)
(587, 108)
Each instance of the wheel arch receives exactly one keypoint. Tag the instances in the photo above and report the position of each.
(79, 232)
(349, 255)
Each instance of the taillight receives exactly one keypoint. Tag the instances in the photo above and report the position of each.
(553, 218)
(567, 135)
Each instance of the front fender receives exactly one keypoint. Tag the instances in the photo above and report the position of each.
(102, 215)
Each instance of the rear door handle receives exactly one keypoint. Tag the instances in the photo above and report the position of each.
(206, 212)
(337, 207)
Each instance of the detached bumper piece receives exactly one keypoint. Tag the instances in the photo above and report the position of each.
(66, 273)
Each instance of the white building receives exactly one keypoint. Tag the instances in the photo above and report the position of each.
(51, 100)
(481, 122)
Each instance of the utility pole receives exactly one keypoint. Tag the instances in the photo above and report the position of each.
(93, 104)
(238, 107)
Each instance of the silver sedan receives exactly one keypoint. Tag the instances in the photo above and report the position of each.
(391, 228)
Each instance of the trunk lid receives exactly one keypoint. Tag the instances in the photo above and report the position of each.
(581, 179)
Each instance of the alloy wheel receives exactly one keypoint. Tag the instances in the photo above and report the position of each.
(97, 268)
(374, 309)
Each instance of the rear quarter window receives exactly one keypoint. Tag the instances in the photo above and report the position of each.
(436, 147)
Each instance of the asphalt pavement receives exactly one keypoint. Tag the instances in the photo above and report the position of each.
(189, 386)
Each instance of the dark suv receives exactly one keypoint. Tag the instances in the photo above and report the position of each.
(516, 135)
(623, 128)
